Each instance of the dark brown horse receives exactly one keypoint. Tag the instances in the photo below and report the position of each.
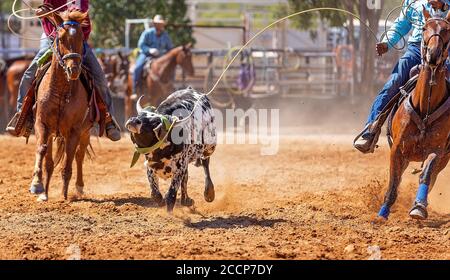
(13, 77)
(116, 68)
(421, 126)
(159, 82)
(62, 107)
(11, 72)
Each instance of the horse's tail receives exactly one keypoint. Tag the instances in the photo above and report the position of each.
(60, 151)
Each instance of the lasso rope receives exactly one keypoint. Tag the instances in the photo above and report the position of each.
(265, 29)
(15, 13)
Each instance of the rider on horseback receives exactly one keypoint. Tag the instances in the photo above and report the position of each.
(410, 18)
(153, 43)
(111, 127)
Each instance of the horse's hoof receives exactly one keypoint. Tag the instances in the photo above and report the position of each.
(42, 198)
(80, 190)
(379, 220)
(37, 188)
(209, 194)
(419, 212)
(188, 202)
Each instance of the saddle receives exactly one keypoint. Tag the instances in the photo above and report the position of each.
(147, 67)
(404, 98)
(98, 112)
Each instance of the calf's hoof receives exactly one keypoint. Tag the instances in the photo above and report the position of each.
(158, 199)
(37, 188)
(209, 194)
(188, 202)
(419, 212)
(170, 201)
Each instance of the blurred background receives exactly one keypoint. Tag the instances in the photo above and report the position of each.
(316, 67)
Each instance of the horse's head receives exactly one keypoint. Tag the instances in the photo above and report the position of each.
(436, 38)
(184, 59)
(69, 41)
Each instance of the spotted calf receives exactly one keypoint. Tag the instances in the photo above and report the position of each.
(172, 147)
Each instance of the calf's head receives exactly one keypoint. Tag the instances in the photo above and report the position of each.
(147, 128)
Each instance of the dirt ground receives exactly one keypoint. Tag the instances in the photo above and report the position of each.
(313, 200)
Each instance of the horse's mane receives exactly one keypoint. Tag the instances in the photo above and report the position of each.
(75, 15)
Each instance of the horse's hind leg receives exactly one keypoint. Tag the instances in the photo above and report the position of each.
(185, 199)
(397, 168)
(209, 193)
(70, 149)
(433, 165)
(79, 157)
(42, 137)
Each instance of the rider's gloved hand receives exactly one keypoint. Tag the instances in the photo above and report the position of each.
(153, 52)
(43, 9)
(382, 48)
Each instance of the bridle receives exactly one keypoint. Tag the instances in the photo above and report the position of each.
(56, 49)
(445, 49)
(440, 61)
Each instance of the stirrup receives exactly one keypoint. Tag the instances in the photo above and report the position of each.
(26, 128)
(375, 132)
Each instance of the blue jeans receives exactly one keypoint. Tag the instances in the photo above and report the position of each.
(30, 73)
(89, 59)
(399, 76)
(138, 70)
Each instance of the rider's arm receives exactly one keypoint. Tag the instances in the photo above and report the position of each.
(144, 43)
(401, 26)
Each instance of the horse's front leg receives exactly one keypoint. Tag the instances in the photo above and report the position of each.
(433, 166)
(79, 157)
(397, 168)
(49, 167)
(70, 148)
(42, 137)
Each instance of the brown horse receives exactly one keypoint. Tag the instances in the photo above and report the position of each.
(62, 107)
(159, 82)
(116, 68)
(13, 76)
(421, 126)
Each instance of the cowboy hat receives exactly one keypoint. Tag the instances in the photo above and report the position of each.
(159, 19)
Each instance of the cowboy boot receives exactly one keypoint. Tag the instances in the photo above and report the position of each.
(112, 128)
(366, 141)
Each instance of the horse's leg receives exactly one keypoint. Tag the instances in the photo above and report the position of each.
(49, 167)
(433, 165)
(209, 193)
(154, 186)
(79, 157)
(70, 149)
(42, 137)
(397, 167)
(185, 199)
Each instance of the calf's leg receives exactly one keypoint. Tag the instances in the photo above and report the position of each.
(209, 193)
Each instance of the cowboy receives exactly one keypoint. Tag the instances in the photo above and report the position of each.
(89, 59)
(411, 18)
(154, 42)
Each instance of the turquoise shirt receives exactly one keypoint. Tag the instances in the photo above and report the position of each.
(411, 18)
(149, 40)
